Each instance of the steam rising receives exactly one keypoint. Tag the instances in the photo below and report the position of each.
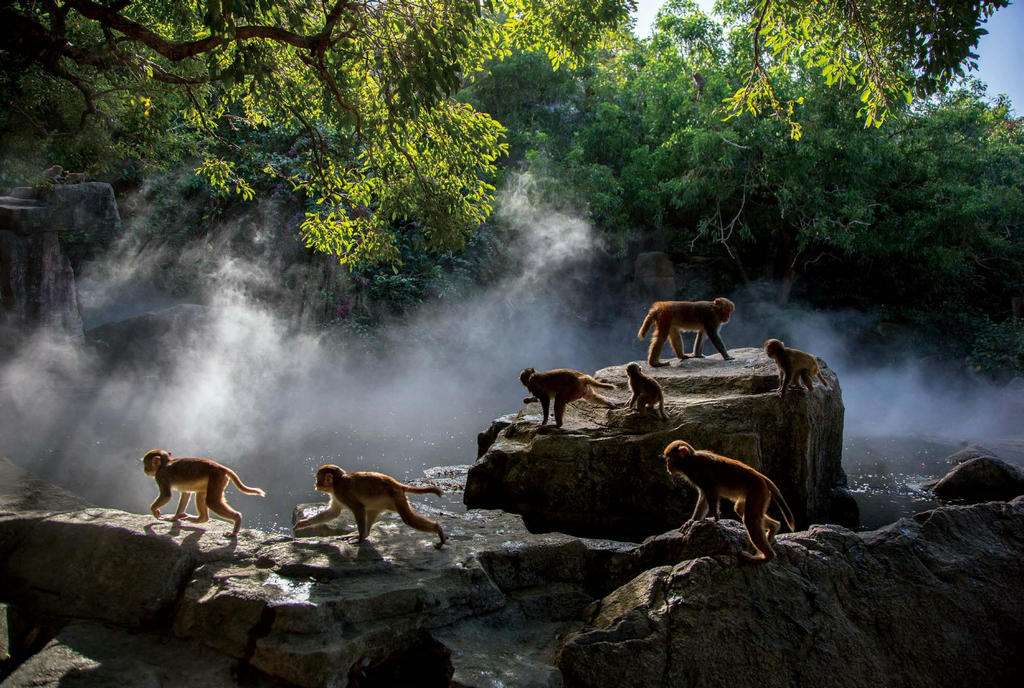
(242, 384)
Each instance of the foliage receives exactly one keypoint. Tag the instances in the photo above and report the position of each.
(365, 85)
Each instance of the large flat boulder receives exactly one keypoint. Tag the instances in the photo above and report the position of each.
(933, 600)
(602, 474)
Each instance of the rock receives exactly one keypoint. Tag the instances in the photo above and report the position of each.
(929, 601)
(654, 276)
(602, 475)
(22, 492)
(147, 339)
(978, 479)
(37, 282)
(90, 655)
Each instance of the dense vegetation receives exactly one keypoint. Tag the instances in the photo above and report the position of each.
(831, 151)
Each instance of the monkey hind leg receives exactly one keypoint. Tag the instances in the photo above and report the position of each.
(411, 518)
(222, 508)
(754, 514)
(654, 351)
(773, 527)
(805, 377)
(676, 340)
(559, 411)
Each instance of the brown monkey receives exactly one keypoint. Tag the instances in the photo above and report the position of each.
(53, 173)
(366, 494)
(646, 391)
(74, 178)
(717, 476)
(205, 477)
(795, 366)
(702, 317)
(564, 385)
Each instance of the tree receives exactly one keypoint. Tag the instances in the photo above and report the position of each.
(366, 85)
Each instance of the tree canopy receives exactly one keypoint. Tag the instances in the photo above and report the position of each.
(362, 91)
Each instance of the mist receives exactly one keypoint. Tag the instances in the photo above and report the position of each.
(243, 384)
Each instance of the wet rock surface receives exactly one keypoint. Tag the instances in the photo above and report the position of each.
(977, 476)
(497, 607)
(602, 474)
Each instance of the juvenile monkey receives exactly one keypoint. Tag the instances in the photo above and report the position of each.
(717, 476)
(646, 391)
(53, 173)
(366, 494)
(563, 385)
(795, 366)
(204, 477)
(669, 317)
(74, 178)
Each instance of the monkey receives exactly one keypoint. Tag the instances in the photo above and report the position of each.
(366, 494)
(204, 477)
(702, 317)
(717, 476)
(74, 178)
(795, 366)
(564, 385)
(646, 391)
(698, 84)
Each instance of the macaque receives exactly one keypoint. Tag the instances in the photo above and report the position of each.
(698, 84)
(564, 385)
(716, 477)
(795, 366)
(74, 178)
(366, 494)
(646, 391)
(702, 317)
(204, 477)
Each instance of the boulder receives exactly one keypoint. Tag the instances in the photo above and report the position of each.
(654, 276)
(980, 478)
(91, 655)
(929, 601)
(602, 474)
(156, 338)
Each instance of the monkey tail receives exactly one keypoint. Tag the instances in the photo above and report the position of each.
(783, 507)
(428, 489)
(598, 383)
(648, 321)
(242, 487)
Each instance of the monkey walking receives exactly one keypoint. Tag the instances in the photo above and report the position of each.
(563, 385)
(646, 391)
(669, 317)
(751, 493)
(366, 494)
(206, 478)
(795, 366)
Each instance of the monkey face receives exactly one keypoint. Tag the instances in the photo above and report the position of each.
(724, 307)
(677, 454)
(525, 376)
(632, 369)
(325, 476)
(773, 347)
(153, 459)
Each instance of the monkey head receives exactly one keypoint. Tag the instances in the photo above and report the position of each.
(525, 376)
(723, 309)
(677, 454)
(326, 476)
(774, 347)
(633, 370)
(154, 460)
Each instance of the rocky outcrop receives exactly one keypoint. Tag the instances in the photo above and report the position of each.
(929, 601)
(602, 474)
(152, 339)
(977, 477)
(37, 282)
(122, 599)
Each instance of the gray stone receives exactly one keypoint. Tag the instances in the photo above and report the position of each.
(978, 479)
(929, 601)
(91, 655)
(146, 339)
(602, 474)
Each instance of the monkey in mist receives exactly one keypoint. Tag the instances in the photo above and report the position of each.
(716, 477)
(646, 391)
(795, 366)
(366, 494)
(669, 317)
(563, 385)
(204, 477)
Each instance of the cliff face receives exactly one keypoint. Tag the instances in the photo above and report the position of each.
(603, 475)
(37, 282)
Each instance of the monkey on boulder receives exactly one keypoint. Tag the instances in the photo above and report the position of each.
(563, 385)
(670, 317)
